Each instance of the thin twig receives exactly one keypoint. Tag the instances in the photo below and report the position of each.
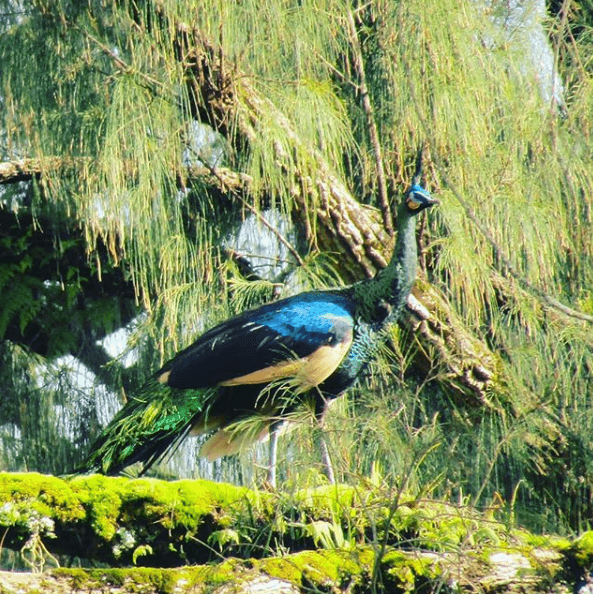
(122, 64)
(372, 125)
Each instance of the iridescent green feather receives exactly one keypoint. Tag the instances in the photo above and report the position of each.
(150, 425)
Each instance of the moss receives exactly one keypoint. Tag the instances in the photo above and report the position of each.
(119, 521)
(542, 540)
(102, 500)
(400, 572)
(407, 571)
(318, 567)
(113, 507)
(581, 550)
(222, 573)
(105, 500)
(116, 518)
(309, 569)
(163, 581)
(194, 499)
(47, 495)
(283, 568)
(79, 577)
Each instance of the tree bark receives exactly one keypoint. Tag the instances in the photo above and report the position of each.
(27, 169)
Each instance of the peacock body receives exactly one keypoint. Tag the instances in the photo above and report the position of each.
(240, 379)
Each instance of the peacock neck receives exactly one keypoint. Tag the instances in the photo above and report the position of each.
(385, 294)
(398, 276)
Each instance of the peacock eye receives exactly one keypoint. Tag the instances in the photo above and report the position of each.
(411, 203)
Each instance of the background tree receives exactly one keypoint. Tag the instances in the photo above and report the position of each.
(138, 137)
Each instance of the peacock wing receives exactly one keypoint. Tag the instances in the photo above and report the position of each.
(303, 337)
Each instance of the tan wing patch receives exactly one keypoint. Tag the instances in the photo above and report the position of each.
(164, 377)
(307, 371)
(320, 364)
(278, 371)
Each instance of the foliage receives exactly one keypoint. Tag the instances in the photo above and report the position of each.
(113, 91)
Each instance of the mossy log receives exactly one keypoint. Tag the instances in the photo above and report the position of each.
(98, 534)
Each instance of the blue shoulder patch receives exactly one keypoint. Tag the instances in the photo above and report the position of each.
(316, 313)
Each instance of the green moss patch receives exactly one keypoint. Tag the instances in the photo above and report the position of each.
(325, 537)
(324, 570)
(119, 520)
(141, 579)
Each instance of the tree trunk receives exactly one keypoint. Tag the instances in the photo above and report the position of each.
(470, 370)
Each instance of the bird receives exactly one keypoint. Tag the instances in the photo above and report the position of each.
(240, 380)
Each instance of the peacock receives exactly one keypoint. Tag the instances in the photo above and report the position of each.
(243, 378)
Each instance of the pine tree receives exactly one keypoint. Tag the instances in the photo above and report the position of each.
(115, 208)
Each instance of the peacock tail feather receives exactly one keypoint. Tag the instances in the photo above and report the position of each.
(148, 427)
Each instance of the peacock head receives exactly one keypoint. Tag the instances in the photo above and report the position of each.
(417, 199)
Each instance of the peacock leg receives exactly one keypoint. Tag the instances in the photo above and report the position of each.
(273, 453)
(321, 406)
